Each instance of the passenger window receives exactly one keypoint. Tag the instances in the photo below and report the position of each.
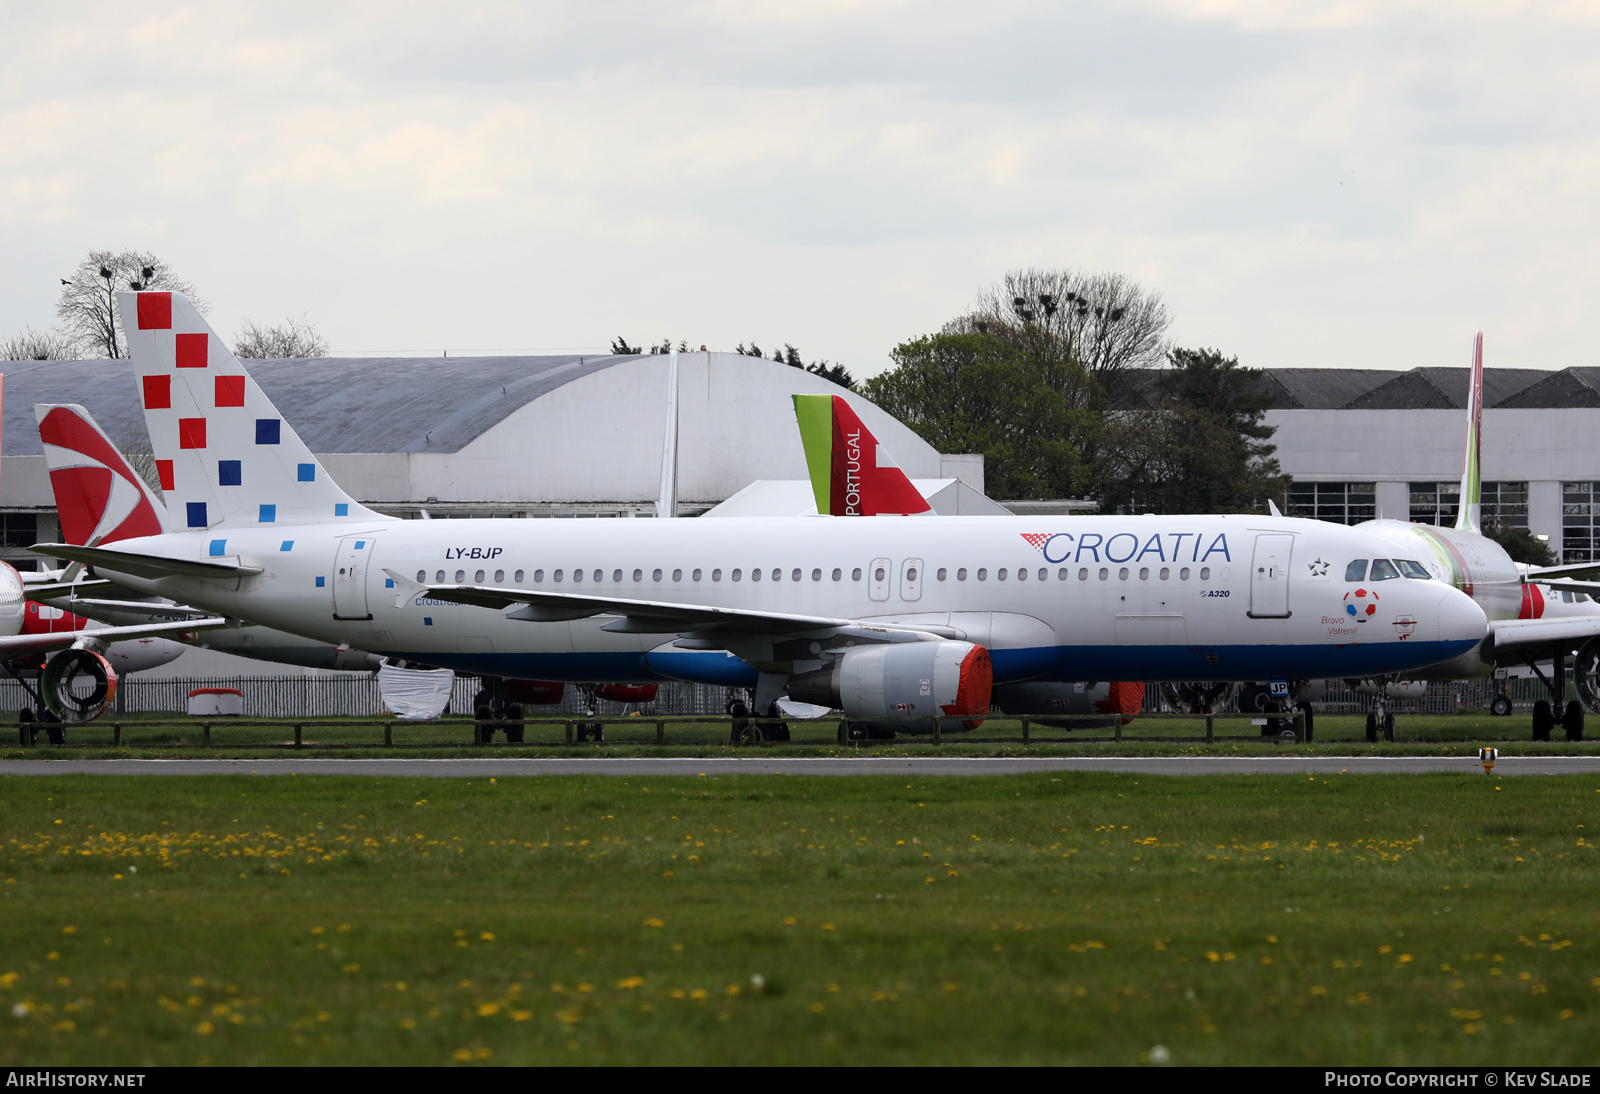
(1205, 573)
(638, 575)
(796, 575)
(422, 577)
(1413, 569)
(961, 574)
(556, 576)
(517, 577)
(1062, 576)
(677, 575)
(616, 577)
(755, 574)
(477, 578)
(1022, 575)
(1356, 571)
(696, 575)
(499, 576)
(1044, 574)
(837, 573)
(878, 574)
(777, 574)
(1122, 574)
(1001, 576)
(942, 574)
(716, 575)
(439, 577)
(816, 575)
(1383, 570)
(655, 575)
(1165, 573)
(577, 575)
(855, 575)
(1183, 574)
(983, 574)
(736, 574)
(1105, 574)
(1144, 573)
(911, 573)
(461, 576)
(599, 575)
(1083, 573)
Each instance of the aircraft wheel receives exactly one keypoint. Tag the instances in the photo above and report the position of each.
(1388, 727)
(1543, 720)
(752, 733)
(1305, 708)
(1372, 728)
(857, 732)
(1500, 706)
(483, 733)
(779, 732)
(1572, 720)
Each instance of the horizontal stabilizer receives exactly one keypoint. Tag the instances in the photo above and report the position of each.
(18, 645)
(146, 566)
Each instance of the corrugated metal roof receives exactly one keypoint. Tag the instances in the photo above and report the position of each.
(1325, 388)
(341, 404)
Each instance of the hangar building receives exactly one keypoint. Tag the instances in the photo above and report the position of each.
(1362, 443)
(485, 436)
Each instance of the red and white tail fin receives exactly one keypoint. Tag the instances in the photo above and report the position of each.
(224, 454)
(851, 473)
(99, 495)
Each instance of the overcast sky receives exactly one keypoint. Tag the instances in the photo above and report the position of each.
(1306, 183)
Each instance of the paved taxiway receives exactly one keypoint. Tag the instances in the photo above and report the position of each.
(866, 765)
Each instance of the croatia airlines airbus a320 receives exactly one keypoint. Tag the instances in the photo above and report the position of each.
(879, 618)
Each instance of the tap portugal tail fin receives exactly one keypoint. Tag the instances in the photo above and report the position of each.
(1467, 516)
(851, 473)
(100, 497)
(224, 454)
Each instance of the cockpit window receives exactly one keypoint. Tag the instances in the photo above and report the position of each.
(1356, 571)
(1567, 597)
(1383, 570)
(1412, 569)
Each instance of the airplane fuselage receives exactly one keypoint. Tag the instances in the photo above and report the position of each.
(1066, 598)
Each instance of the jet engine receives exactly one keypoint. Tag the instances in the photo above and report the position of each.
(66, 697)
(1041, 699)
(902, 679)
(13, 601)
(628, 693)
(1199, 696)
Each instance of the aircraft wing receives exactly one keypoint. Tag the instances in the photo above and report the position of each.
(1541, 637)
(152, 567)
(20, 645)
(49, 589)
(646, 616)
(1543, 574)
(93, 609)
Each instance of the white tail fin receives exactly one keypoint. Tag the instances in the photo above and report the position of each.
(1468, 515)
(99, 496)
(224, 454)
(667, 498)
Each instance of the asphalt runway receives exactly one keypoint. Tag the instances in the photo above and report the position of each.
(501, 767)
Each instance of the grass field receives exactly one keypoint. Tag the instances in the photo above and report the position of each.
(1337, 734)
(770, 919)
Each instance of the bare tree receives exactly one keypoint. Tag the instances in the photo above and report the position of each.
(87, 304)
(34, 345)
(1089, 330)
(133, 440)
(291, 338)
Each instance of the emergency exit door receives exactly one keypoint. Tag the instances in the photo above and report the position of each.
(1269, 577)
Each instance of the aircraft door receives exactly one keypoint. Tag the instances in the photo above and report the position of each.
(878, 579)
(1269, 576)
(350, 578)
(911, 579)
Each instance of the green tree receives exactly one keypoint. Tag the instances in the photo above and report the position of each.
(1199, 445)
(1519, 543)
(974, 392)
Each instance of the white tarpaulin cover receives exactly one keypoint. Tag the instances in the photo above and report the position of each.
(415, 695)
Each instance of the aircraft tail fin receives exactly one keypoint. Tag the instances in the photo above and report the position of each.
(1471, 507)
(224, 454)
(100, 497)
(851, 473)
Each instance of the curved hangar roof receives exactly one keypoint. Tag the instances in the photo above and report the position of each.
(499, 430)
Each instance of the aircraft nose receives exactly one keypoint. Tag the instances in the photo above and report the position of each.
(1460, 618)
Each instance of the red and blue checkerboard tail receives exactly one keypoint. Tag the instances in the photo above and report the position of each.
(99, 496)
(224, 454)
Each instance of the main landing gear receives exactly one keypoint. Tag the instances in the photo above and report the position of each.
(1275, 700)
(747, 729)
(490, 706)
(1544, 711)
